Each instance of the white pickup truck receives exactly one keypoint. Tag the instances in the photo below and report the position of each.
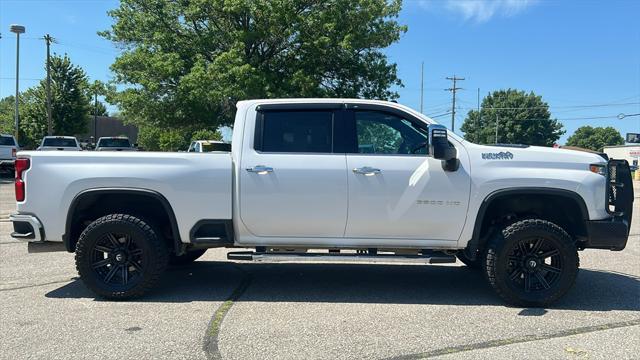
(328, 180)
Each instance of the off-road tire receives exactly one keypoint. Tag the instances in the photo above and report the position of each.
(186, 258)
(507, 247)
(147, 248)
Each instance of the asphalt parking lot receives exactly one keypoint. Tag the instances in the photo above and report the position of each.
(217, 309)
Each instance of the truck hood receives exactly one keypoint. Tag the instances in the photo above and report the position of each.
(534, 156)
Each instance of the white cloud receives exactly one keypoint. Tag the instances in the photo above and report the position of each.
(483, 10)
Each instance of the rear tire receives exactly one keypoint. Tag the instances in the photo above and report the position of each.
(531, 263)
(119, 256)
(186, 258)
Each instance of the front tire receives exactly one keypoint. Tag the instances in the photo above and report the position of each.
(120, 256)
(531, 263)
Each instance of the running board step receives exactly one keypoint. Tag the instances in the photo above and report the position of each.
(348, 258)
(210, 240)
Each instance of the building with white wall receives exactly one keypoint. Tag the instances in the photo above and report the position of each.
(631, 153)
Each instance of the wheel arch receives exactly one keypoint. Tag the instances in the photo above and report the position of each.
(565, 199)
(135, 197)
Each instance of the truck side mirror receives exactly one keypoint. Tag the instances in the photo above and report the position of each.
(440, 149)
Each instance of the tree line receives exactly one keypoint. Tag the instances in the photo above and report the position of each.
(184, 64)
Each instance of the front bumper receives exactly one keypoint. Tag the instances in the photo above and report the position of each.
(613, 233)
(26, 228)
(607, 234)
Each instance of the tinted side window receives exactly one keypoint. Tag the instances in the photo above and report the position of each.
(383, 133)
(297, 131)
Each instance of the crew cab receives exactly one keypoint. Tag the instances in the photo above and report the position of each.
(8, 150)
(329, 180)
(59, 143)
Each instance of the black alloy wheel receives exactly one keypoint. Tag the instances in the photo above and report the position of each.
(534, 264)
(120, 256)
(531, 262)
(117, 260)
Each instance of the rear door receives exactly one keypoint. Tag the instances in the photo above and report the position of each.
(292, 181)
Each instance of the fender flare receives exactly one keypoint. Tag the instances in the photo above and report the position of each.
(70, 247)
(475, 242)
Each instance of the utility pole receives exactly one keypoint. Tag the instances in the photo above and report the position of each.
(48, 39)
(479, 117)
(497, 121)
(453, 104)
(17, 29)
(95, 114)
(421, 86)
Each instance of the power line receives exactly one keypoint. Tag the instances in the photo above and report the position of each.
(437, 116)
(555, 107)
(574, 118)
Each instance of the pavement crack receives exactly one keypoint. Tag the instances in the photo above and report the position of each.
(210, 345)
(515, 340)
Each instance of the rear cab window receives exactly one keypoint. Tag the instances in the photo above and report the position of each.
(114, 143)
(60, 142)
(216, 147)
(7, 141)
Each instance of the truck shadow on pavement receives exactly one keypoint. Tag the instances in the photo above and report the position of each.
(389, 284)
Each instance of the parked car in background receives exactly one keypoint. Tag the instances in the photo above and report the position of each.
(59, 143)
(209, 146)
(114, 144)
(8, 150)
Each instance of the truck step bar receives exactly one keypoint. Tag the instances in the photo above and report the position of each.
(342, 258)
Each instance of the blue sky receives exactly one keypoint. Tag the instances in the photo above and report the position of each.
(583, 57)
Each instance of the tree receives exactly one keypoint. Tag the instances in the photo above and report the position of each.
(70, 107)
(206, 134)
(595, 138)
(98, 88)
(521, 118)
(7, 115)
(188, 62)
(100, 110)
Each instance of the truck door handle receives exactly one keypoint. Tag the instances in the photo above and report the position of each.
(260, 169)
(367, 171)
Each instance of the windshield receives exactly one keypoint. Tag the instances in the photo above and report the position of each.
(60, 142)
(216, 147)
(7, 140)
(114, 143)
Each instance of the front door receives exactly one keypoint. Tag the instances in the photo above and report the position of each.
(292, 183)
(395, 189)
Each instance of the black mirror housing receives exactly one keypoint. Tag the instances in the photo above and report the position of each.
(439, 144)
(440, 149)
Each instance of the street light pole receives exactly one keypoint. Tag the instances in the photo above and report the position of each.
(17, 29)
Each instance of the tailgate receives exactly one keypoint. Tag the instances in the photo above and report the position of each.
(6, 152)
